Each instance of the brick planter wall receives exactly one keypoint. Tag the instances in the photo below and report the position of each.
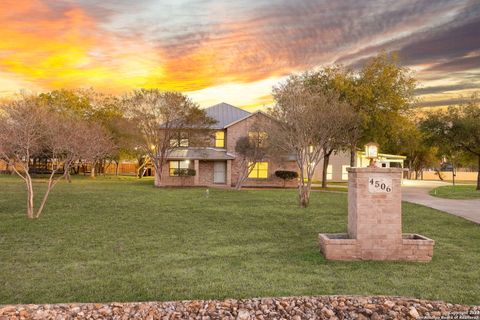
(375, 221)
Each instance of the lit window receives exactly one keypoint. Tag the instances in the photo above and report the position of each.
(260, 171)
(345, 172)
(177, 164)
(329, 172)
(220, 139)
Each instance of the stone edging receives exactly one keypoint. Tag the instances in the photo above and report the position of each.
(296, 308)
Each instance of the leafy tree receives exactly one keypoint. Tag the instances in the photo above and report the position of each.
(380, 93)
(456, 131)
(165, 121)
(100, 110)
(410, 141)
(385, 92)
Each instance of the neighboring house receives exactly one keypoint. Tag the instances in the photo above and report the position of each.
(218, 164)
(339, 162)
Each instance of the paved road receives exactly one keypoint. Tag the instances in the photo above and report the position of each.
(417, 192)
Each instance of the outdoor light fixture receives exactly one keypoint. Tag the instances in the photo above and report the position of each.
(371, 152)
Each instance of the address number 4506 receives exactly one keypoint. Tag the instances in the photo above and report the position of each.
(377, 184)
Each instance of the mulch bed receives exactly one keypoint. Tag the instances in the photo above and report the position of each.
(296, 308)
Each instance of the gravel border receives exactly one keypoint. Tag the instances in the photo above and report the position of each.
(296, 308)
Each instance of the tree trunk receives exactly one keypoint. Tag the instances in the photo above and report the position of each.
(352, 157)
(158, 178)
(158, 174)
(326, 160)
(92, 171)
(439, 174)
(45, 196)
(30, 213)
(453, 174)
(478, 174)
(66, 172)
(241, 178)
(246, 170)
(410, 170)
(304, 189)
(116, 168)
(304, 194)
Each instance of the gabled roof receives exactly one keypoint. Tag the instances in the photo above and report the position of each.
(225, 114)
(248, 116)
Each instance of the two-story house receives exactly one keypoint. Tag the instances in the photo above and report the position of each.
(218, 164)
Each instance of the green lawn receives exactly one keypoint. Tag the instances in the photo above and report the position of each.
(124, 240)
(456, 192)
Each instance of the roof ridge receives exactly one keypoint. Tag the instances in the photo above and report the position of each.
(228, 104)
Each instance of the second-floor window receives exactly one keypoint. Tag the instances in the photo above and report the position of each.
(258, 137)
(179, 140)
(220, 139)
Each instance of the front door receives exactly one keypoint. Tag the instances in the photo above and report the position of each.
(219, 171)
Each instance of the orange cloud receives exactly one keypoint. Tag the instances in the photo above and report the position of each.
(233, 50)
(67, 48)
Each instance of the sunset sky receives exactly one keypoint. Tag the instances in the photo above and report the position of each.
(232, 51)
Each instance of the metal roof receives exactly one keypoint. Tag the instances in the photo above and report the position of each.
(225, 114)
(200, 154)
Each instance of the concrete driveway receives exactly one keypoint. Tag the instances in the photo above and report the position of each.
(417, 192)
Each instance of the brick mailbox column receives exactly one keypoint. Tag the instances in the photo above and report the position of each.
(375, 221)
(375, 211)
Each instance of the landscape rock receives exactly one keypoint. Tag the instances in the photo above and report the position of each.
(413, 313)
(296, 308)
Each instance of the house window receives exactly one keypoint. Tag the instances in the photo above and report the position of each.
(177, 164)
(259, 137)
(329, 172)
(220, 139)
(179, 140)
(260, 171)
(345, 172)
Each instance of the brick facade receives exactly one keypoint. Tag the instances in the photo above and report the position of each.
(241, 129)
(205, 169)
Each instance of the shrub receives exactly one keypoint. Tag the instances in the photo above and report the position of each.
(286, 175)
(184, 172)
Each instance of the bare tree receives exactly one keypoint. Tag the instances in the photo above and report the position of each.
(27, 128)
(251, 149)
(308, 117)
(166, 121)
(22, 131)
